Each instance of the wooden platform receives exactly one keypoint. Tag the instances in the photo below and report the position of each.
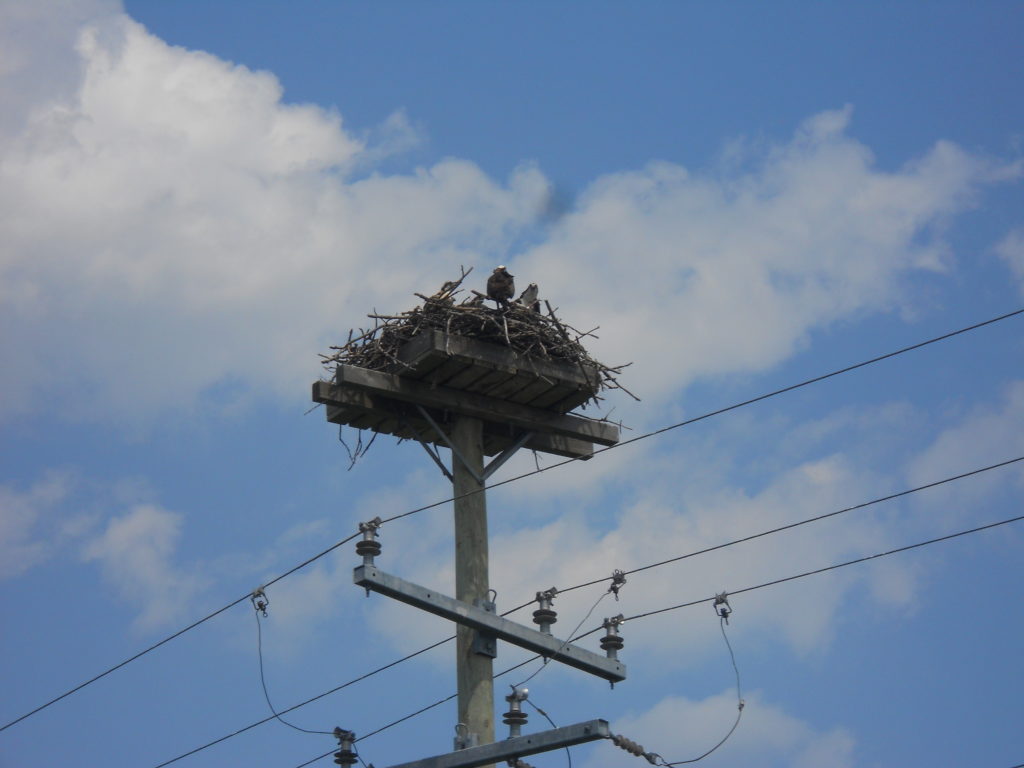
(452, 375)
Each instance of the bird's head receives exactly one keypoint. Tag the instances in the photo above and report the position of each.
(502, 270)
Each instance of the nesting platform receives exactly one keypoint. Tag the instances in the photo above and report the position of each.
(438, 376)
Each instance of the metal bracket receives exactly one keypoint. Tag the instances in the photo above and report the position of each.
(507, 454)
(468, 615)
(491, 467)
(520, 746)
(485, 643)
(444, 436)
(431, 452)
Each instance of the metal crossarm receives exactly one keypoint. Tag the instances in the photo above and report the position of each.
(520, 746)
(468, 615)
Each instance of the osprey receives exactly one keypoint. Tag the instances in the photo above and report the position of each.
(529, 298)
(500, 286)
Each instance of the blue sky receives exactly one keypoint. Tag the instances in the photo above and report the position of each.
(198, 198)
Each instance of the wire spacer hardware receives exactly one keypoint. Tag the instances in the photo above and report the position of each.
(344, 755)
(545, 615)
(515, 718)
(618, 581)
(722, 607)
(260, 601)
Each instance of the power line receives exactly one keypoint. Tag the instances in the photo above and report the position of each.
(539, 470)
(774, 582)
(266, 694)
(797, 524)
(649, 566)
(720, 411)
(816, 571)
(179, 633)
(337, 688)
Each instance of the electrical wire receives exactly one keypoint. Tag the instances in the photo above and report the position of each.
(790, 526)
(542, 713)
(263, 682)
(649, 566)
(539, 470)
(739, 704)
(564, 642)
(834, 567)
(292, 708)
(774, 582)
(179, 633)
(720, 411)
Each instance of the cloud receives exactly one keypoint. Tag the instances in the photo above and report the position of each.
(172, 213)
(22, 545)
(678, 728)
(136, 552)
(700, 274)
(986, 434)
(1011, 250)
(178, 231)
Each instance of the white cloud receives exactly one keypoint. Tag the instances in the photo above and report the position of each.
(678, 728)
(1011, 250)
(173, 224)
(987, 434)
(22, 545)
(137, 552)
(694, 275)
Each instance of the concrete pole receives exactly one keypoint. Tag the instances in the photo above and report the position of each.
(475, 672)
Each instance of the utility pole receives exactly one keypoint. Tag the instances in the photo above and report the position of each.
(472, 580)
(479, 399)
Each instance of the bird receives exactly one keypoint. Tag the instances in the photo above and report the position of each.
(500, 285)
(529, 298)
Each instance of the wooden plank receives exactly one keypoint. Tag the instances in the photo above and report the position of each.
(467, 404)
(559, 445)
(468, 376)
(394, 421)
(495, 356)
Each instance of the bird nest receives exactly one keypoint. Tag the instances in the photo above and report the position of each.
(522, 326)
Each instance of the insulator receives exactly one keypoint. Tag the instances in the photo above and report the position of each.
(612, 642)
(365, 547)
(512, 717)
(369, 547)
(345, 755)
(515, 718)
(630, 746)
(545, 616)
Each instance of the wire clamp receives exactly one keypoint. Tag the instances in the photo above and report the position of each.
(545, 615)
(260, 601)
(722, 607)
(618, 581)
(344, 755)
